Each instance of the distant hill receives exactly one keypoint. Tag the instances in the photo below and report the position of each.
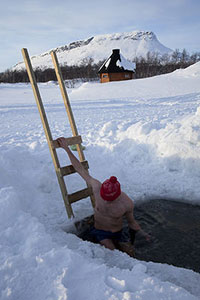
(131, 44)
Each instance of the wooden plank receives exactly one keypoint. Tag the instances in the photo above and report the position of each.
(68, 109)
(74, 197)
(66, 102)
(47, 131)
(70, 141)
(64, 171)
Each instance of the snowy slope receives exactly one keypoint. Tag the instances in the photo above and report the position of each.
(146, 132)
(179, 82)
(131, 44)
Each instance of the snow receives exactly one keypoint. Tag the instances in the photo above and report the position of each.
(131, 44)
(107, 63)
(146, 132)
(124, 63)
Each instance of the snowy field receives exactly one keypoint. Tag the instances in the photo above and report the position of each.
(146, 132)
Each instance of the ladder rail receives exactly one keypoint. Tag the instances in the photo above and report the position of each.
(69, 111)
(47, 131)
(53, 144)
(66, 101)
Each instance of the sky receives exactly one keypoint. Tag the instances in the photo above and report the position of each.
(42, 25)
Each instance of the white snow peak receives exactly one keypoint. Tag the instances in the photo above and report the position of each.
(131, 44)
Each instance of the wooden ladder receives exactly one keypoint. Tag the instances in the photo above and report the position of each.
(53, 144)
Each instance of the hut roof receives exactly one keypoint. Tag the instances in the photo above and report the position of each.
(117, 63)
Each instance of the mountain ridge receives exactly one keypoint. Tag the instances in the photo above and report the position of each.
(98, 48)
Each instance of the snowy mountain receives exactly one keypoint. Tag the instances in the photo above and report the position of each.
(132, 44)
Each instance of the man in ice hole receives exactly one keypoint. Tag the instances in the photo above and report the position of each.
(111, 205)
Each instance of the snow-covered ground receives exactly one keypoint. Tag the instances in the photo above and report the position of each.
(146, 132)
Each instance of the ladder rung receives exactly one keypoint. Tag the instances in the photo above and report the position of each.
(80, 195)
(70, 169)
(70, 141)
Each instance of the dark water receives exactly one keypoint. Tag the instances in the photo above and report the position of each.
(175, 231)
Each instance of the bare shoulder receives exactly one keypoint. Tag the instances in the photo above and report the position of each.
(128, 202)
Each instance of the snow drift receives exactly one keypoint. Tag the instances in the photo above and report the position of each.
(146, 132)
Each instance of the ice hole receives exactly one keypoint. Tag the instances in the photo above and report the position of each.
(174, 227)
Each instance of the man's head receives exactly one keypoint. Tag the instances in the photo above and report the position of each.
(110, 189)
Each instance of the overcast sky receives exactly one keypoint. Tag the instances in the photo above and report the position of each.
(45, 24)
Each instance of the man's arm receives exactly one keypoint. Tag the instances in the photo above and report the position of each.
(76, 163)
(133, 224)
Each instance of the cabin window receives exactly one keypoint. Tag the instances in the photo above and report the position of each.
(127, 75)
(105, 76)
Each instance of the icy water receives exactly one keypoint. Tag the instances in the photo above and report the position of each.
(175, 230)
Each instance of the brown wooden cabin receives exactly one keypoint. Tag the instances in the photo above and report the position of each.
(116, 68)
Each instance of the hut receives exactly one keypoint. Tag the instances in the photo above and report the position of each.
(116, 68)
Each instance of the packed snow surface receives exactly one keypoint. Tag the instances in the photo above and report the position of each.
(146, 132)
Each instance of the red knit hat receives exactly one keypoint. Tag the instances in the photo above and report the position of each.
(110, 189)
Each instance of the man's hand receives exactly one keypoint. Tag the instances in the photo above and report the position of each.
(133, 232)
(62, 143)
(146, 235)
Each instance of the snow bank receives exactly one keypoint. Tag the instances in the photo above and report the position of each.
(191, 71)
(180, 82)
(169, 152)
(146, 132)
(35, 267)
